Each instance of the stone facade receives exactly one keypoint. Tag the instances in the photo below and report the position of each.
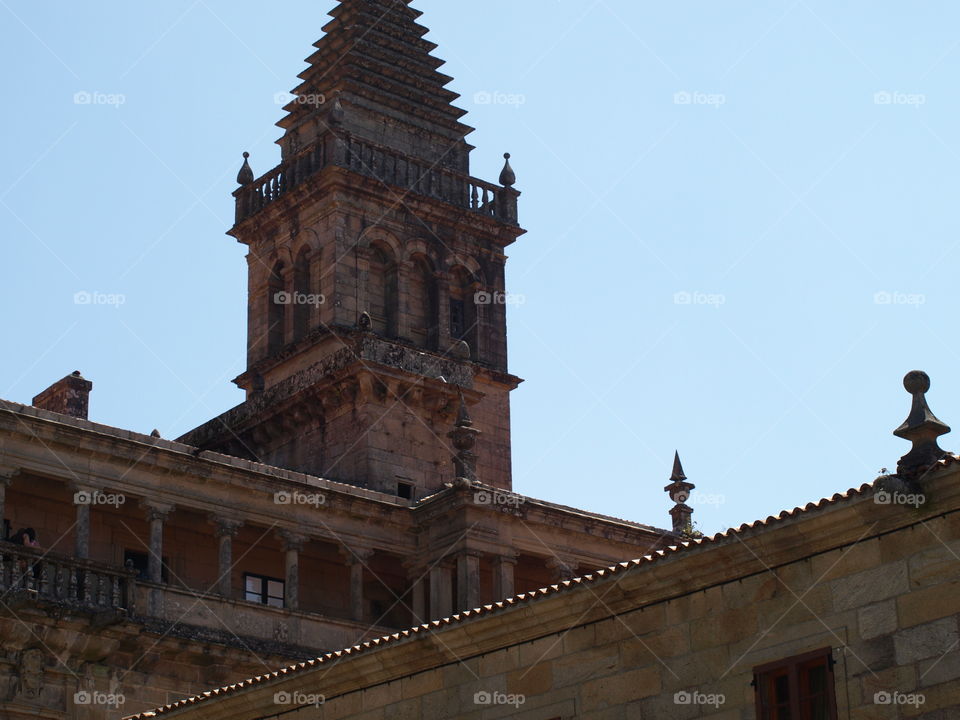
(364, 484)
(682, 633)
(353, 564)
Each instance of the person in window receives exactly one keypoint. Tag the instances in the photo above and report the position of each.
(28, 538)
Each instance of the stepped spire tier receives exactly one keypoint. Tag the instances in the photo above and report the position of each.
(375, 61)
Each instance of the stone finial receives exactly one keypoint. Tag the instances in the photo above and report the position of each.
(679, 490)
(508, 178)
(245, 176)
(464, 437)
(460, 350)
(922, 428)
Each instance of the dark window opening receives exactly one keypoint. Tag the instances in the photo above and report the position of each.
(262, 589)
(405, 489)
(798, 688)
(457, 319)
(140, 561)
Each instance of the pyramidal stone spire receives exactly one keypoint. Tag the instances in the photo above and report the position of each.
(374, 64)
(922, 428)
(679, 490)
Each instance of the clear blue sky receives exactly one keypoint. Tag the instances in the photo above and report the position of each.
(782, 162)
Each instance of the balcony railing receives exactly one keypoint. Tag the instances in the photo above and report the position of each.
(381, 163)
(81, 584)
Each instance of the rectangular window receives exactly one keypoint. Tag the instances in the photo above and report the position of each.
(798, 688)
(405, 489)
(457, 319)
(263, 590)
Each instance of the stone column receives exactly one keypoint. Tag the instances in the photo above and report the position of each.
(443, 311)
(82, 500)
(357, 559)
(468, 580)
(563, 568)
(225, 531)
(6, 477)
(156, 514)
(418, 590)
(504, 577)
(292, 545)
(441, 591)
(416, 599)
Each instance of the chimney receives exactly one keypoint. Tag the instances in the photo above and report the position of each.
(70, 396)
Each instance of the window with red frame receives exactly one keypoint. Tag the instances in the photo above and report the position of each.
(798, 688)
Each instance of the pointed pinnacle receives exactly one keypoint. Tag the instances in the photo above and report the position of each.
(508, 177)
(677, 467)
(245, 176)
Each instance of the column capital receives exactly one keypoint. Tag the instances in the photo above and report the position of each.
(86, 486)
(292, 540)
(155, 510)
(225, 527)
(509, 558)
(565, 567)
(356, 554)
(7, 474)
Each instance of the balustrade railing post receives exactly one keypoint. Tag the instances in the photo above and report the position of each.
(507, 205)
(44, 588)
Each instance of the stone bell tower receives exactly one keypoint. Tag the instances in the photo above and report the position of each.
(376, 272)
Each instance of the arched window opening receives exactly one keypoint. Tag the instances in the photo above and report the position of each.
(423, 310)
(463, 309)
(382, 291)
(302, 296)
(277, 303)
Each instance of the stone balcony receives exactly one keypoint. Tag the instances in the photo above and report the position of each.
(51, 582)
(381, 163)
(32, 575)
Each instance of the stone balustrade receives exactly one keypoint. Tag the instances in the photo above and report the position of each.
(78, 583)
(381, 163)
